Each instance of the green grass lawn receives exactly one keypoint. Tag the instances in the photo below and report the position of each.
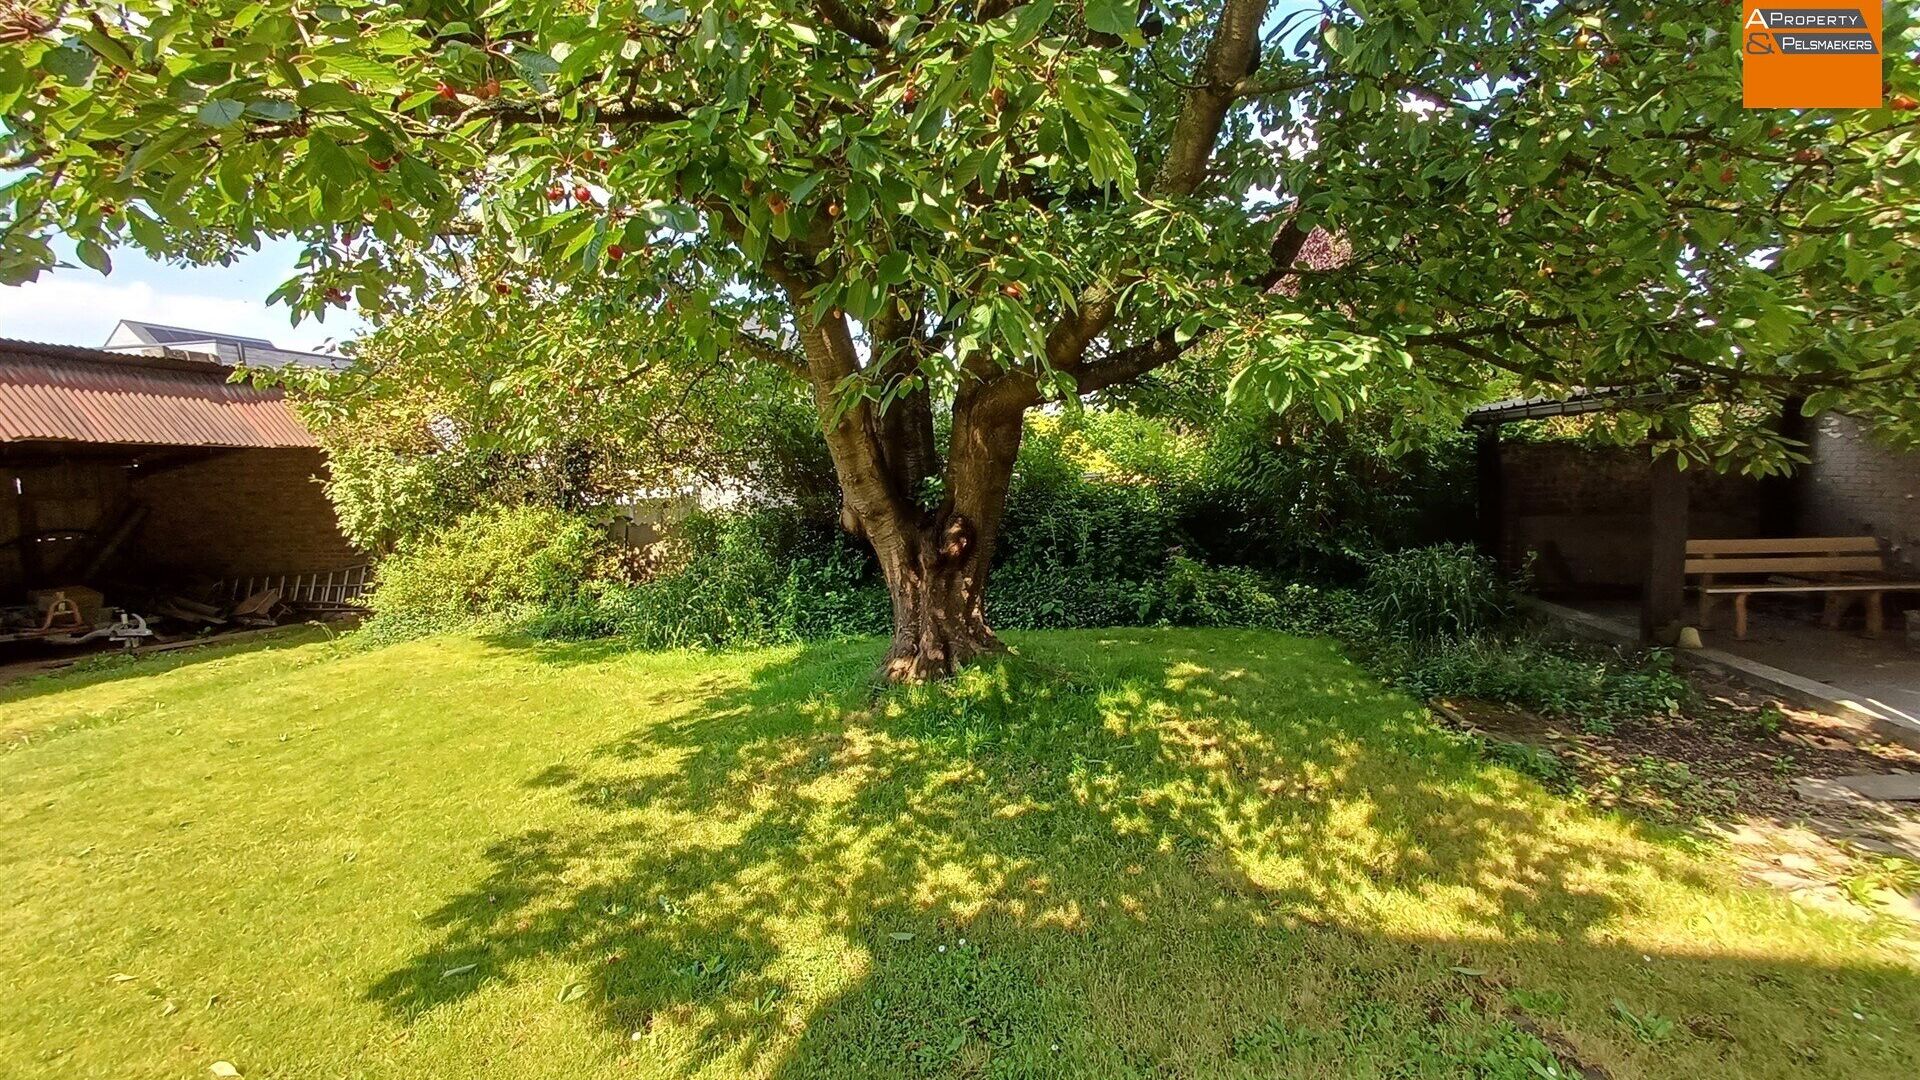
(1129, 853)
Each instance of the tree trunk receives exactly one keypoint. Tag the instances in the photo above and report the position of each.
(935, 561)
(938, 587)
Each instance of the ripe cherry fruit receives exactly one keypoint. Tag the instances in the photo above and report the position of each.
(1727, 175)
(446, 91)
(614, 252)
(777, 204)
(1904, 102)
(556, 193)
(583, 195)
(1012, 290)
(502, 288)
(380, 164)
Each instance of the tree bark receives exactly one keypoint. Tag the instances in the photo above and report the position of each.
(938, 579)
(938, 585)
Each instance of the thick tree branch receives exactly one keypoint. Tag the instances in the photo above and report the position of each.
(845, 20)
(1203, 109)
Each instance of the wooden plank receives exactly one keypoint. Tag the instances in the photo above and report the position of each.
(1817, 587)
(1788, 564)
(1788, 545)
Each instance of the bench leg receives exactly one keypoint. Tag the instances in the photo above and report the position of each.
(1740, 616)
(1876, 615)
(1706, 611)
(1836, 607)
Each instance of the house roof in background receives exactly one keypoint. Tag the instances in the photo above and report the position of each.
(156, 334)
(135, 336)
(64, 393)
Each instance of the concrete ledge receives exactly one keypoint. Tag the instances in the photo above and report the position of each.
(1794, 689)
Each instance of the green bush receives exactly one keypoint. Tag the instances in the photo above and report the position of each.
(1443, 591)
(1195, 594)
(1593, 687)
(504, 564)
(744, 579)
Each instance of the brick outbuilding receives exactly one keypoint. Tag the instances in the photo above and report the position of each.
(132, 472)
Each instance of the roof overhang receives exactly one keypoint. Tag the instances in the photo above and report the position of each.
(63, 393)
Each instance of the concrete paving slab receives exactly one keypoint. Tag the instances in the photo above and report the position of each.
(1887, 787)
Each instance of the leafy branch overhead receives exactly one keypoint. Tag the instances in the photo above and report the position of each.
(980, 205)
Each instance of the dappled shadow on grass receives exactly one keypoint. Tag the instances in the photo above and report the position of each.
(1256, 846)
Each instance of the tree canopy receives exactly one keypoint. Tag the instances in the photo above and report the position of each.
(976, 206)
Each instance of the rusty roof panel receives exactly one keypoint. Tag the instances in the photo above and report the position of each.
(65, 393)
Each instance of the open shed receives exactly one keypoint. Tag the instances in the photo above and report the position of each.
(138, 475)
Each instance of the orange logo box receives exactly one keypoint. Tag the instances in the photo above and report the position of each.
(1810, 54)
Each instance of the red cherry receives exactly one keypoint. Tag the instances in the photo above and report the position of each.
(1904, 102)
(502, 288)
(1727, 174)
(556, 193)
(489, 89)
(582, 195)
(1012, 290)
(380, 164)
(614, 252)
(446, 91)
(776, 204)
(107, 208)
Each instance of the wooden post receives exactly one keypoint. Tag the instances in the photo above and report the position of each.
(1492, 493)
(1665, 584)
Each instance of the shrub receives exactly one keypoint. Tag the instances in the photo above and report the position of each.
(1446, 590)
(504, 563)
(739, 579)
(1593, 687)
(1195, 594)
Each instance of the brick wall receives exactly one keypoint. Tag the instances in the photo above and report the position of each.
(1856, 487)
(242, 513)
(1581, 512)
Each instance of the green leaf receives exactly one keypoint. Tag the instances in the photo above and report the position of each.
(71, 63)
(93, 255)
(537, 68)
(221, 113)
(1113, 16)
(273, 110)
(573, 991)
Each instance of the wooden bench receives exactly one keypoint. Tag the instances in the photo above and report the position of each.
(1841, 567)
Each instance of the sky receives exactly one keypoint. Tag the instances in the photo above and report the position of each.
(75, 305)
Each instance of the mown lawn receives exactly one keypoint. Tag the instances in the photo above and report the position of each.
(1130, 853)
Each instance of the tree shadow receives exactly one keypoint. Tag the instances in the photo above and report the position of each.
(113, 666)
(798, 875)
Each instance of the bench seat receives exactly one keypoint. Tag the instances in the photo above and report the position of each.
(1851, 562)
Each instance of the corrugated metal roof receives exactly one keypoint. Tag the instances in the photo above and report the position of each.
(1578, 402)
(71, 394)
